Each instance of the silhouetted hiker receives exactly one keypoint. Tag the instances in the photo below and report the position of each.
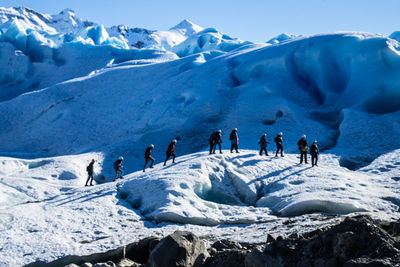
(89, 170)
(303, 147)
(314, 153)
(263, 144)
(234, 140)
(170, 152)
(118, 168)
(148, 157)
(215, 139)
(278, 141)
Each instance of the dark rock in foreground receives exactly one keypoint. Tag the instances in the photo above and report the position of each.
(357, 241)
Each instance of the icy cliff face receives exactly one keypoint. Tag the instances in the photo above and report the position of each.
(328, 87)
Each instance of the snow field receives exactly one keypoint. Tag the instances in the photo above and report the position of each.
(239, 196)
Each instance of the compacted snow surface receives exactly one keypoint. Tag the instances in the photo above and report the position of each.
(237, 196)
(72, 90)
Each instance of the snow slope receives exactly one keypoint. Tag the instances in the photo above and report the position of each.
(316, 85)
(238, 196)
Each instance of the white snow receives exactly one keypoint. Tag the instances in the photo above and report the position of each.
(240, 196)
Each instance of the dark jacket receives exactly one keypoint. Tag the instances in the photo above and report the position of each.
(263, 141)
(302, 143)
(234, 137)
(278, 140)
(314, 149)
(215, 137)
(171, 148)
(147, 154)
(117, 164)
(89, 168)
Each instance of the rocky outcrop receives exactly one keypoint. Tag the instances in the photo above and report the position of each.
(178, 249)
(356, 241)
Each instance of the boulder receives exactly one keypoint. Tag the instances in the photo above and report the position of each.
(225, 258)
(140, 251)
(127, 263)
(105, 264)
(178, 249)
(366, 262)
(226, 244)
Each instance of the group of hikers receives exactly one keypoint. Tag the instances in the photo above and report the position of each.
(216, 139)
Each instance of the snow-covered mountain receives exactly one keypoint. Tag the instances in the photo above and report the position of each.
(64, 22)
(72, 90)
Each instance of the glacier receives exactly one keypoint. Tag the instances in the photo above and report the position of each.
(72, 90)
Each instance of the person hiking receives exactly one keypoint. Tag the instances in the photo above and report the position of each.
(170, 152)
(89, 170)
(218, 141)
(118, 168)
(215, 139)
(279, 146)
(314, 153)
(303, 147)
(234, 140)
(148, 157)
(212, 140)
(263, 144)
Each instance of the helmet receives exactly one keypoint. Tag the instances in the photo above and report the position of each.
(93, 160)
(304, 136)
(121, 158)
(174, 141)
(315, 141)
(219, 131)
(235, 129)
(264, 134)
(280, 133)
(152, 145)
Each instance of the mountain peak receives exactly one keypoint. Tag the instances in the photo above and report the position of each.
(186, 27)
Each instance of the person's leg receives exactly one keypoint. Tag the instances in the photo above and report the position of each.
(220, 148)
(145, 164)
(152, 162)
(166, 158)
(214, 147)
(122, 174)
(277, 150)
(91, 179)
(173, 157)
(237, 148)
(87, 180)
(232, 146)
(301, 157)
(211, 146)
(281, 150)
(312, 160)
(116, 174)
(305, 157)
(261, 149)
(316, 160)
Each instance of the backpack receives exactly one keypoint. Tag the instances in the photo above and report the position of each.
(87, 168)
(276, 139)
(232, 136)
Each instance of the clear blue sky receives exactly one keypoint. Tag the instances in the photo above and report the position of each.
(253, 20)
